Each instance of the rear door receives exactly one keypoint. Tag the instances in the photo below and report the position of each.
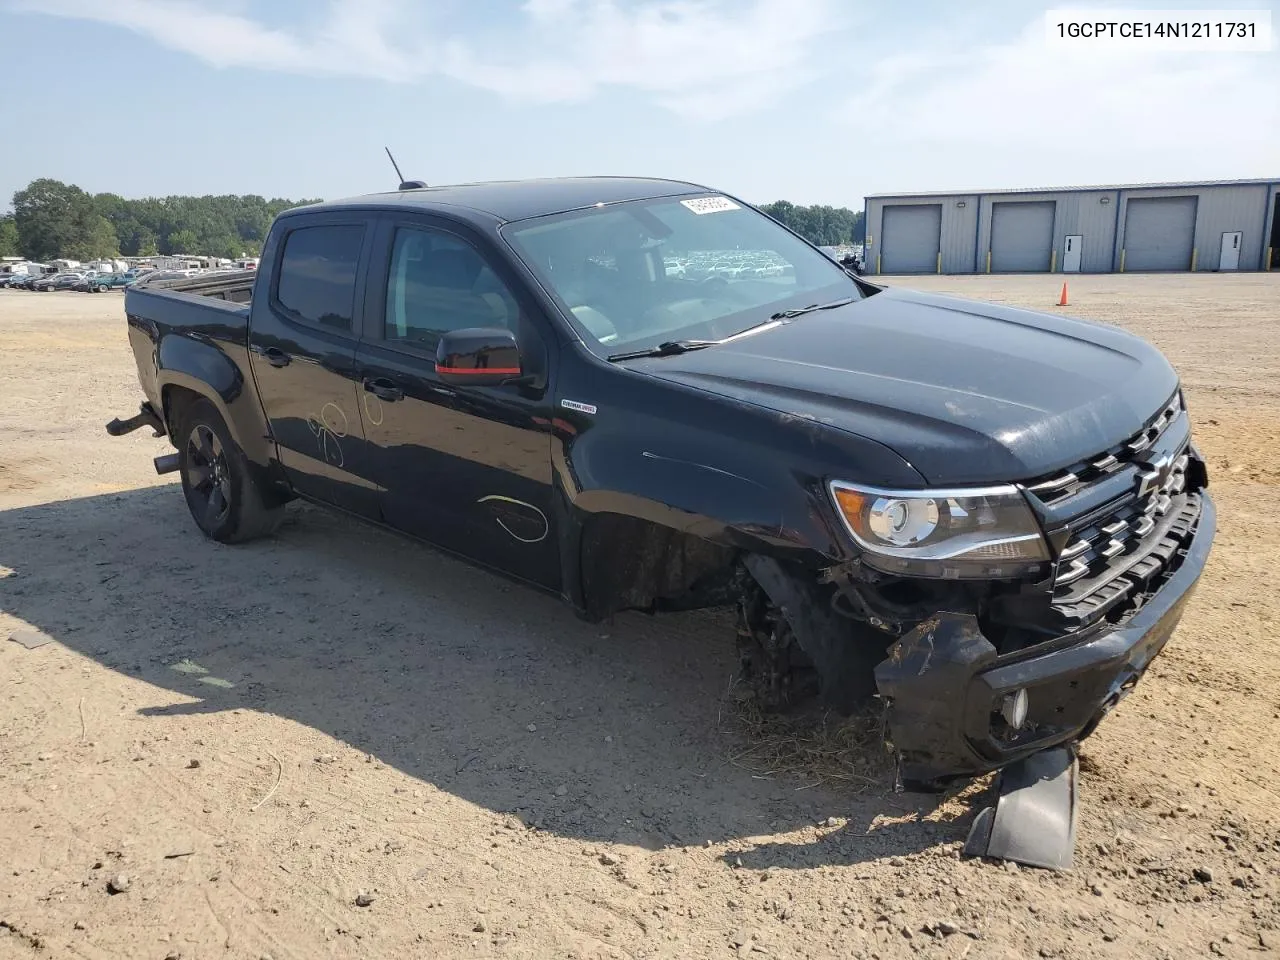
(468, 468)
(302, 341)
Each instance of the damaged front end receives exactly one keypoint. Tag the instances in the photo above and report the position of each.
(984, 673)
(975, 689)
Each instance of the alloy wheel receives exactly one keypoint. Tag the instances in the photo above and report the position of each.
(208, 478)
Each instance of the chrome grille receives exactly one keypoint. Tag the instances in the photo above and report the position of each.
(1113, 556)
(1064, 483)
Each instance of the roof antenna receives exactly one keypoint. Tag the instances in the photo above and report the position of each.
(404, 184)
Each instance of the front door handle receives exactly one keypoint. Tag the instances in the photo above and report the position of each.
(273, 355)
(383, 389)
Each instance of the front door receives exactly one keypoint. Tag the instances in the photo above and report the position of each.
(1230, 259)
(302, 344)
(468, 468)
(1071, 254)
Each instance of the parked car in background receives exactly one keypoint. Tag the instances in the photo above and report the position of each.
(11, 279)
(106, 281)
(66, 281)
(58, 281)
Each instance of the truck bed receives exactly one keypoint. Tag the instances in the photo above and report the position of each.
(202, 320)
(234, 286)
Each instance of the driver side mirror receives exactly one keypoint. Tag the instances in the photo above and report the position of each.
(478, 357)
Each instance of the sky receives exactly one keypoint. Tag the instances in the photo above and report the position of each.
(813, 101)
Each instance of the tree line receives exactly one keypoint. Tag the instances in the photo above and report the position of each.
(52, 219)
(821, 225)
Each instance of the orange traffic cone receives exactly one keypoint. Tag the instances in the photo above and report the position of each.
(1062, 300)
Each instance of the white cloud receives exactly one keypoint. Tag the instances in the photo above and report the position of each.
(708, 58)
(1027, 113)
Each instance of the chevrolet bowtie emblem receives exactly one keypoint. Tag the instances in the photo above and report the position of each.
(1158, 476)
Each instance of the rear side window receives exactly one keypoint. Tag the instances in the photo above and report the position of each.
(317, 278)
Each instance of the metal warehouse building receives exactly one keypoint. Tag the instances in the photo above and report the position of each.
(1217, 225)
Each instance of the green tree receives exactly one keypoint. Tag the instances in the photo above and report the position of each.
(9, 246)
(822, 225)
(53, 218)
(99, 241)
(182, 241)
(229, 246)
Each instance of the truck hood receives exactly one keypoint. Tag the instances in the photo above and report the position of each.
(966, 392)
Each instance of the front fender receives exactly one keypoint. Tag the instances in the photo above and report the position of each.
(719, 469)
(695, 498)
(715, 501)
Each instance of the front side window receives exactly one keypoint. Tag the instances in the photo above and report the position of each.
(317, 279)
(439, 283)
(639, 273)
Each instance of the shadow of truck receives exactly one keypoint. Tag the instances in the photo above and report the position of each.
(483, 688)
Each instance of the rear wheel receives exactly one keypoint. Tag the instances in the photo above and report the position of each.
(225, 502)
(102, 288)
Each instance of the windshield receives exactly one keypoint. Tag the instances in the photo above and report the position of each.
(645, 272)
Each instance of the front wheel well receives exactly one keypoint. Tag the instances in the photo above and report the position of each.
(629, 563)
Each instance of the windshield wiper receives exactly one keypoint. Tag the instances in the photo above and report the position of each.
(668, 349)
(673, 347)
(801, 311)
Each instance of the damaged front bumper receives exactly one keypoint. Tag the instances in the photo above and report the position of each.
(945, 683)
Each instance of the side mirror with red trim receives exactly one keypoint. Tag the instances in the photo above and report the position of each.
(478, 357)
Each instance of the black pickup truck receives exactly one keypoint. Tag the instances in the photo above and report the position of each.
(644, 394)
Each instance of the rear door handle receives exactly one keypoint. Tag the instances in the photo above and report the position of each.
(273, 355)
(383, 389)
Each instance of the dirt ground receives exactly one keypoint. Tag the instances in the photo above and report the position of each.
(250, 738)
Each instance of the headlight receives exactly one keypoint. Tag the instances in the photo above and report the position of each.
(953, 534)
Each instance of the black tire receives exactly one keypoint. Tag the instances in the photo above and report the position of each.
(102, 288)
(225, 502)
(791, 640)
(771, 662)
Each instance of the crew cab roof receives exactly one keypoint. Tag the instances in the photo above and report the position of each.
(508, 200)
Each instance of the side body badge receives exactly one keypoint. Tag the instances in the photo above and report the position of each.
(580, 407)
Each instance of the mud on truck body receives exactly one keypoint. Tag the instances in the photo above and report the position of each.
(647, 395)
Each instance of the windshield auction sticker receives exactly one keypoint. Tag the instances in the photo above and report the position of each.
(1170, 31)
(701, 205)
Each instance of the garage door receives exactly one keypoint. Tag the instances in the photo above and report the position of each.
(1022, 236)
(912, 234)
(1159, 232)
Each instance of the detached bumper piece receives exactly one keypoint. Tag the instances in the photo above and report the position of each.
(950, 695)
(145, 417)
(1034, 819)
